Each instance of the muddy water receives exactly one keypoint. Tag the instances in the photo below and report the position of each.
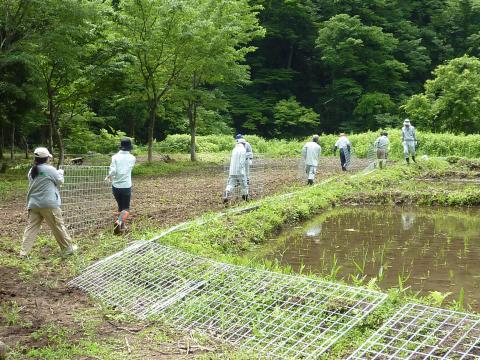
(422, 248)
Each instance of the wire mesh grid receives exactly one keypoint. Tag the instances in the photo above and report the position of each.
(423, 332)
(87, 200)
(276, 315)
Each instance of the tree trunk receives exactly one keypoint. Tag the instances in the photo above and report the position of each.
(290, 56)
(151, 127)
(61, 147)
(2, 143)
(26, 146)
(55, 130)
(192, 118)
(12, 142)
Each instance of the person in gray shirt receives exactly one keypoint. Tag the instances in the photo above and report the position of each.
(381, 146)
(43, 203)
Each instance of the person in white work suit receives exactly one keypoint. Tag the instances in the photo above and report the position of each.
(311, 155)
(248, 156)
(409, 140)
(344, 145)
(236, 174)
(120, 175)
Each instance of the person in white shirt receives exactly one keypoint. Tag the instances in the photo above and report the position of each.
(121, 177)
(310, 155)
(248, 156)
(345, 146)
(236, 175)
(409, 140)
(382, 146)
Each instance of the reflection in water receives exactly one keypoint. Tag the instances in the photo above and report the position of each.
(408, 219)
(429, 249)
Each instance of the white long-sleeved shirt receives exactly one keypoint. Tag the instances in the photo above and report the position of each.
(249, 151)
(343, 143)
(121, 169)
(311, 153)
(382, 142)
(408, 133)
(237, 161)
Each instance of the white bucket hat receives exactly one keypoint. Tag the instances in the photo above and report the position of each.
(42, 152)
(406, 122)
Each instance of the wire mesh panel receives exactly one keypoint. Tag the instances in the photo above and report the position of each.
(87, 200)
(276, 315)
(423, 332)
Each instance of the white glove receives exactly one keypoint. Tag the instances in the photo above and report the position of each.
(60, 171)
(250, 162)
(108, 179)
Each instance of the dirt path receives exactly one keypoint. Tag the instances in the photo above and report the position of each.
(44, 300)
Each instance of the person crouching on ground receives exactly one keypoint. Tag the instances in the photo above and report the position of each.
(43, 203)
(311, 155)
(236, 175)
(345, 147)
(121, 177)
(381, 146)
(409, 140)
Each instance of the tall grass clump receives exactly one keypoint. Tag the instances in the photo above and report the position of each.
(431, 144)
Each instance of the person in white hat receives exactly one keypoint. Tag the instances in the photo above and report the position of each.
(345, 146)
(409, 140)
(310, 156)
(236, 174)
(43, 203)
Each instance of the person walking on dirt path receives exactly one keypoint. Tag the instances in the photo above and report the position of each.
(381, 146)
(121, 177)
(248, 156)
(43, 203)
(409, 140)
(236, 175)
(311, 155)
(345, 147)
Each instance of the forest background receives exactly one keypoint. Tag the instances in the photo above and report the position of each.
(76, 73)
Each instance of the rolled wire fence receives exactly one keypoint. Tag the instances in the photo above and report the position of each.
(87, 200)
(423, 332)
(271, 314)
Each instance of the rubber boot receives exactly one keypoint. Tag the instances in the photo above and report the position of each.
(407, 160)
(116, 224)
(310, 182)
(380, 164)
(413, 158)
(245, 197)
(123, 219)
(225, 197)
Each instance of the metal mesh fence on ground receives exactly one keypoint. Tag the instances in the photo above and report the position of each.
(423, 332)
(271, 314)
(87, 200)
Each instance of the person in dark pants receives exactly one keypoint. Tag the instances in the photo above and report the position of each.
(121, 177)
(344, 145)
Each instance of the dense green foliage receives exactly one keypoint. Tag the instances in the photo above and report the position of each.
(274, 68)
(430, 144)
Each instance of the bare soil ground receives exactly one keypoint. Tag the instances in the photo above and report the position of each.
(44, 300)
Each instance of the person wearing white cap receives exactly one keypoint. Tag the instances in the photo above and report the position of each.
(236, 174)
(248, 156)
(409, 140)
(310, 155)
(43, 203)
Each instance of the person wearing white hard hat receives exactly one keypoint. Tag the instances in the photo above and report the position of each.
(236, 174)
(43, 203)
(409, 140)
